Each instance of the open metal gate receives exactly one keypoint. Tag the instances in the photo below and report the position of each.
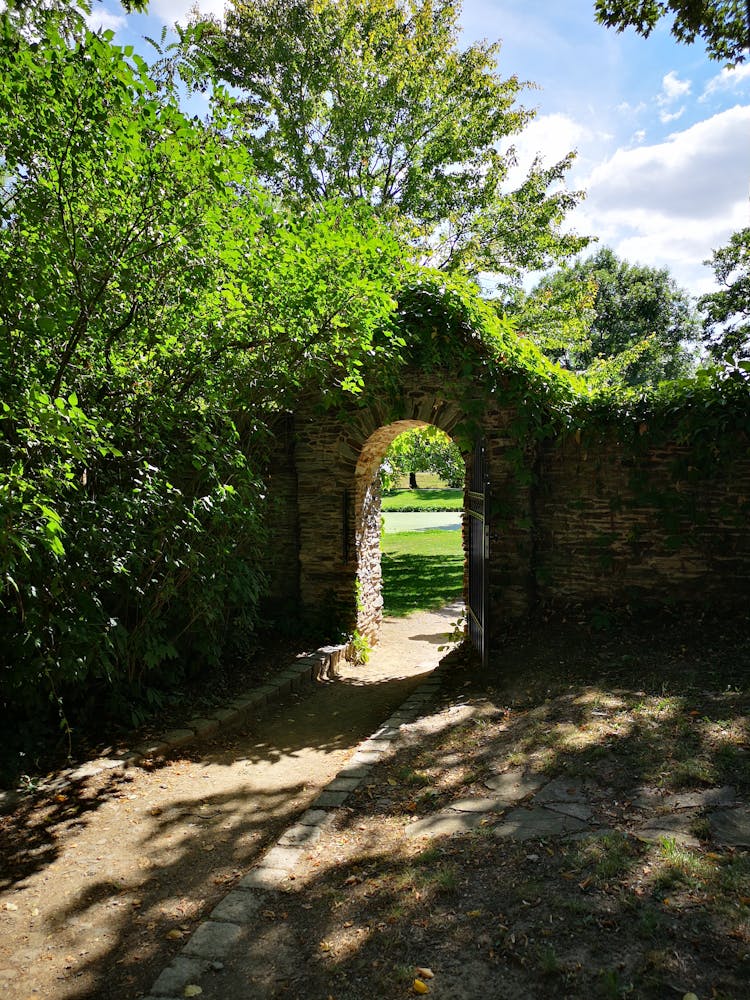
(477, 508)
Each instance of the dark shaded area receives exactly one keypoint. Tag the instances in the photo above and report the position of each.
(104, 716)
(604, 916)
(412, 582)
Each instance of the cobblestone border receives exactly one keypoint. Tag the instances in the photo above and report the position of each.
(214, 938)
(317, 667)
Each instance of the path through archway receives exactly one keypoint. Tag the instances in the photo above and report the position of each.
(434, 574)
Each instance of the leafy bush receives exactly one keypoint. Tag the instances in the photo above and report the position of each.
(156, 311)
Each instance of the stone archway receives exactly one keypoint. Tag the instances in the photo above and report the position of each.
(337, 456)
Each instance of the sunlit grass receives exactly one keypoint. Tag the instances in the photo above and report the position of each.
(434, 500)
(422, 570)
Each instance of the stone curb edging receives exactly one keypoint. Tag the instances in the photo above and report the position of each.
(316, 667)
(213, 939)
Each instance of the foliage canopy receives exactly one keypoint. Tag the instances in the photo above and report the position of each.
(615, 321)
(424, 449)
(157, 309)
(375, 101)
(724, 25)
(727, 311)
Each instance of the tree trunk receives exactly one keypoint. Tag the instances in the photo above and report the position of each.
(413, 481)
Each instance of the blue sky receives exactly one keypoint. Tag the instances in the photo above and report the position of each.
(662, 133)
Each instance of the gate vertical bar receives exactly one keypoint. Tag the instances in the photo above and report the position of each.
(477, 504)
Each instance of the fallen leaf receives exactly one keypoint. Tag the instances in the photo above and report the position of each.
(474, 913)
(425, 973)
(173, 935)
(10, 906)
(690, 996)
(192, 991)
(420, 987)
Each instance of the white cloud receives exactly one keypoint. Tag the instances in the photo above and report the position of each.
(640, 136)
(665, 117)
(170, 11)
(669, 204)
(730, 78)
(673, 88)
(552, 137)
(624, 108)
(694, 173)
(100, 18)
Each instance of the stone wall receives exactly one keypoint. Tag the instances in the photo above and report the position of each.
(611, 527)
(282, 562)
(569, 524)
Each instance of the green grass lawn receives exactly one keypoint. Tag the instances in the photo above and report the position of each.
(428, 499)
(422, 570)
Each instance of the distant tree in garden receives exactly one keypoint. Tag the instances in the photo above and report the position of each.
(374, 100)
(425, 449)
(724, 25)
(726, 327)
(628, 323)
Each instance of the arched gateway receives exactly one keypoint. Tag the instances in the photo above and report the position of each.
(605, 514)
(337, 456)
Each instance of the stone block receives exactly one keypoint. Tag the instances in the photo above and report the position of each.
(178, 737)
(238, 907)
(343, 784)
(732, 827)
(314, 817)
(224, 715)
(513, 785)
(355, 771)
(283, 858)
(371, 757)
(264, 878)
(181, 971)
(301, 835)
(213, 940)
(444, 825)
(537, 823)
(330, 800)
(202, 727)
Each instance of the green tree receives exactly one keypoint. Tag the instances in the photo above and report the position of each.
(373, 100)
(424, 449)
(639, 327)
(724, 25)
(726, 327)
(156, 307)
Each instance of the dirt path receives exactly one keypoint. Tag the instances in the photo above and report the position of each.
(100, 884)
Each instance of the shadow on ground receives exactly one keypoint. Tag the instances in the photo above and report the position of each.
(626, 715)
(116, 870)
(605, 915)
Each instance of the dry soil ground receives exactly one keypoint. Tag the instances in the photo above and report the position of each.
(636, 723)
